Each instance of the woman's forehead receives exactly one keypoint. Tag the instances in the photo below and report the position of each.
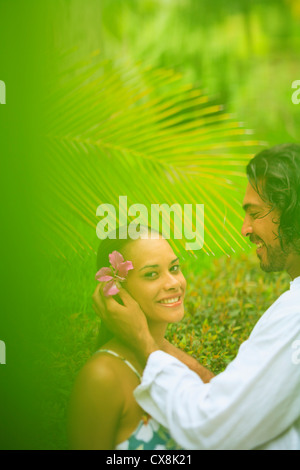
(148, 250)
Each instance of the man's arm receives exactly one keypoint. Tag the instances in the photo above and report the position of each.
(204, 374)
(243, 407)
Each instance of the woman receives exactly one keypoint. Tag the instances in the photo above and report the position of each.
(104, 413)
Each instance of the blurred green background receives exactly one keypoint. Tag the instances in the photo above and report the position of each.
(246, 53)
(87, 83)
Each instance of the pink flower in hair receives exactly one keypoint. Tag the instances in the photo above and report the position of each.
(115, 274)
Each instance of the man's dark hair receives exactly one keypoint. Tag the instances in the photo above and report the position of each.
(275, 175)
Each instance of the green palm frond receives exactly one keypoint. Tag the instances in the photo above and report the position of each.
(128, 130)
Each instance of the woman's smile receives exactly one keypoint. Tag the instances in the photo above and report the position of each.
(171, 301)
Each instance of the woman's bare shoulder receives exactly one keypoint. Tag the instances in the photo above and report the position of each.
(96, 404)
(100, 368)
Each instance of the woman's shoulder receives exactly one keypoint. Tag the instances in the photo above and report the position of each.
(96, 397)
(108, 365)
(123, 358)
(100, 368)
(97, 384)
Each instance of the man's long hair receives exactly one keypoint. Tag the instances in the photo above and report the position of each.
(275, 175)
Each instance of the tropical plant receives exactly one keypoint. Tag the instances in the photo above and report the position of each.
(122, 129)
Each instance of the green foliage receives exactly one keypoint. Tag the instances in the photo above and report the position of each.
(126, 129)
(244, 54)
(141, 99)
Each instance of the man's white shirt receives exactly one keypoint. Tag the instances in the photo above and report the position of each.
(253, 404)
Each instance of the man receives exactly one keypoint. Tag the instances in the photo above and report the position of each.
(255, 402)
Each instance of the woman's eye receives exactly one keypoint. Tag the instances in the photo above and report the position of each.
(175, 268)
(151, 274)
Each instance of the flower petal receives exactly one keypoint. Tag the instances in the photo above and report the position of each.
(154, 424)
(115, 259)
(145, 433)
(124, 268)
(104, 278)
(110, 289)
(104, 273)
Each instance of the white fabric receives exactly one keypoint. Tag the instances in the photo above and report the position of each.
(253, 404)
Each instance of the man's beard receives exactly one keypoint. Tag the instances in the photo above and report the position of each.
(274, 259)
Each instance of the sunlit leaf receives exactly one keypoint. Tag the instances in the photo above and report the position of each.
(128, 130)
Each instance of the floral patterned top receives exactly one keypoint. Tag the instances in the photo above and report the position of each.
(149, 434)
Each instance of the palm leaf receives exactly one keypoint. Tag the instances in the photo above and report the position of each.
(124, 129)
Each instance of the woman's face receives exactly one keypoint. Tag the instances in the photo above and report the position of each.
(156, 282)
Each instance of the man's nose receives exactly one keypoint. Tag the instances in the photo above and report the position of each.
(247, 227)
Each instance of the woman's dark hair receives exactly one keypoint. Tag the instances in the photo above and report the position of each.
(275, 175)
(106, 247)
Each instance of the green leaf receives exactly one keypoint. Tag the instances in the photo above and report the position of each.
(116, 130)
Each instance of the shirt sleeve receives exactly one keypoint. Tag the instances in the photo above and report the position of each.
(252, 402)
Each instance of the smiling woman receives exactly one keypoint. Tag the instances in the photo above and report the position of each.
(103, 412)
(156, 282)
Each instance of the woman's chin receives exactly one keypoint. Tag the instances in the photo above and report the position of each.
(175, 314)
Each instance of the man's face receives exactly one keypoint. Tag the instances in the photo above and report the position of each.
(261, 224)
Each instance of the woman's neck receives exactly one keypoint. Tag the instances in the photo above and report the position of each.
(157, 331)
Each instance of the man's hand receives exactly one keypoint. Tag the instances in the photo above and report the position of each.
(127, 322)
